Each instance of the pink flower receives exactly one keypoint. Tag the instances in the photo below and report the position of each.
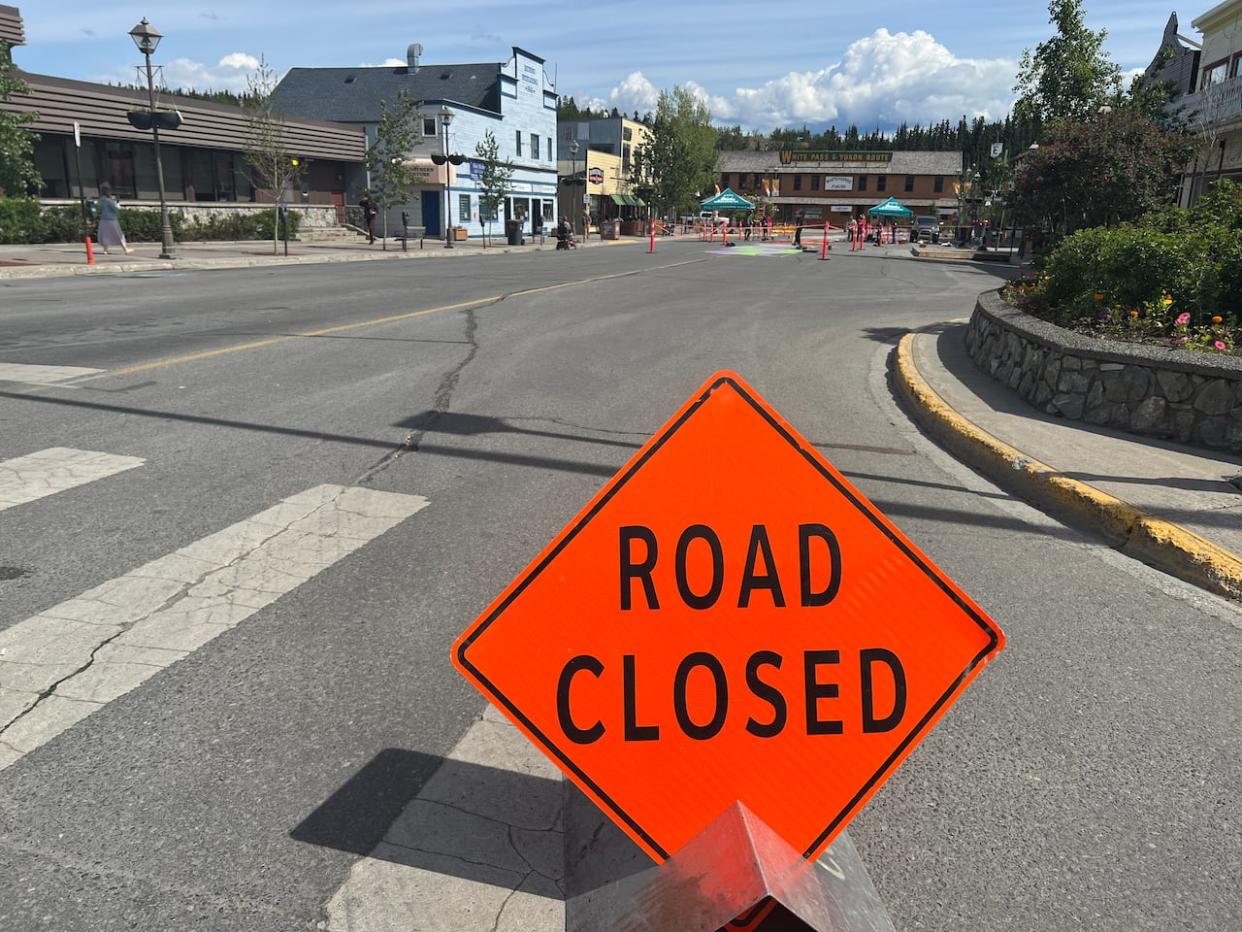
(1183, 318)
(1219, 344)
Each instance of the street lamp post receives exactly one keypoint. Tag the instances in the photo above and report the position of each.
(446, 117)
(573, 179)
(147, 38)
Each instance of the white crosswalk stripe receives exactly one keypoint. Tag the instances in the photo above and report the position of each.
(465, 855)
(70, 660)
(42, 375)
(28, 478)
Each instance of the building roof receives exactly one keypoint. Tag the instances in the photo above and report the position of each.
(902, 163)
(355, 95)
(11, 29)
(1204, 22)
(100, 110)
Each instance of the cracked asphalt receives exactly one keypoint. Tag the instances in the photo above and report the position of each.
(1091, 778)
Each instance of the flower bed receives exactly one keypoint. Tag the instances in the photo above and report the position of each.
(1157, 391)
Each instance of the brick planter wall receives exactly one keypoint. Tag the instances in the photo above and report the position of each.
(1156, 391)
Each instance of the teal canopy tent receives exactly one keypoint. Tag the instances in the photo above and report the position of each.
(727, 200)
(890, 208)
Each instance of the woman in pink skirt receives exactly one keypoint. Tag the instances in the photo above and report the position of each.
(110, 233)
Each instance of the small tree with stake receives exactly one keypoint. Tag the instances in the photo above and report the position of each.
(387, 159)
(494, 185)
(272, 165)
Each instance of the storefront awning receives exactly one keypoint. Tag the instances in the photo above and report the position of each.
(619, 200)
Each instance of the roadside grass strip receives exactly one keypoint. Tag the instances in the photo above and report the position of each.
(37, 475)
(70, 660)
(1168, 547)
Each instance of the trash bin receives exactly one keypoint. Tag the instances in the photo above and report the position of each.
(513, 232)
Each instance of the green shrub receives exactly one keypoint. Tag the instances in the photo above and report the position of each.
(1130, 266)
(21, 220)
(241, 226)
(145, 226)
(62, 224)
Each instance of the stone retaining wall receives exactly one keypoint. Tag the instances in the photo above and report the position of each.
(314, 216)
(1156, 391)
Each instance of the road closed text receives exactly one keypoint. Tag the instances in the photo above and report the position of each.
(764, 695)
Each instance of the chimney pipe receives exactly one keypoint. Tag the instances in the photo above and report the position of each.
(411, 57)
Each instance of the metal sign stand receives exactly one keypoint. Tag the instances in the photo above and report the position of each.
(738, 875)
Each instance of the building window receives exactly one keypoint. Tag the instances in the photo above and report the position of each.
(625, 157)
(797, 182)
(724, 181)
(429, 127)
(547, 211)
(627, 134)
(815, 182)
(519, 141)
(862, 182)
(118, 168)
(881, 182)
(939, 184)
(534, 145)
(755, 182)
(463, 209)
(1214, 73)
(909, 183)
(1236, 68)
(487, 214)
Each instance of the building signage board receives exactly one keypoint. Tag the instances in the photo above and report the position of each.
(595, 175)
(795, 156)
(841, 208)
(476, 169)
(838, 182)
(728, 619)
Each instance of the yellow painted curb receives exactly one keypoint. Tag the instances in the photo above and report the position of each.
(1168, 547)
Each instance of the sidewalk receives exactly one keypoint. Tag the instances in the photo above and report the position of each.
(1182, 496)
(59, 259)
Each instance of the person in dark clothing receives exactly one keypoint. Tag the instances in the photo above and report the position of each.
(368, 216)
(798, 230)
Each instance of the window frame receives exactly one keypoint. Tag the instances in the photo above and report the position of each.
(797, 182)
(861, 182)
(815, 182)
(881, 183)
(534, 145)
(432, 133)
(909, 188)
(1206, 70)
(939, 185)
(518, 137)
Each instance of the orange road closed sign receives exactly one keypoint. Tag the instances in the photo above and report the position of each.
(728, 619)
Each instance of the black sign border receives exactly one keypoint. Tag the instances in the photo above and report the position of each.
(930, 572)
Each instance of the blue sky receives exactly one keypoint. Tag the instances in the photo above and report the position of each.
(761, 64)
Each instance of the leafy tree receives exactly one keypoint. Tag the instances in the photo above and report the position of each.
(1069, 76)
(495, 184)
(387, 159)
(1114, 167)
(680, 159)
(17, 172)
(272, 165)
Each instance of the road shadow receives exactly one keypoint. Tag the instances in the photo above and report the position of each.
(479, 823)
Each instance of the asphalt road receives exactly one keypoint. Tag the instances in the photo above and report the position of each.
(1092, 777)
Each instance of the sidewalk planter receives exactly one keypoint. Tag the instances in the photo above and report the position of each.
(610, 229)
(459, 234)
(1155, 391)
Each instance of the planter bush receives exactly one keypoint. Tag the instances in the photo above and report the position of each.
(21, 221)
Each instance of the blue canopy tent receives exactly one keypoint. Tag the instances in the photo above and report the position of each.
(727, 200)
(890, 208)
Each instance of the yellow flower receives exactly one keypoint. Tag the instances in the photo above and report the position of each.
(1167, 300)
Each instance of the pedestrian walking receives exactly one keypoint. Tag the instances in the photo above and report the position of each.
(110, 233)
(798, 229)
(749, 220)
(368, 216)
(851, 231)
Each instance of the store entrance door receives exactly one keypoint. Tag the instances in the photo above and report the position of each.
(431, 214)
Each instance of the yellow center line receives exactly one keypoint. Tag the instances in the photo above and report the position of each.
(377, 321)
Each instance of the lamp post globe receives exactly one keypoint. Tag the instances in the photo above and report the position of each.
(147, 38)
(446, 117)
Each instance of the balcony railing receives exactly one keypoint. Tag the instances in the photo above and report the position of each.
(1216, 105)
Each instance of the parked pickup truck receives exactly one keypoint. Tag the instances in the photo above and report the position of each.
(927, 228)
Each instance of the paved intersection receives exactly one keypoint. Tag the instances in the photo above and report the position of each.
(233, 558)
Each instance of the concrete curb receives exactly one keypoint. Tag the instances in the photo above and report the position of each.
(64, 270)
(1169, 547)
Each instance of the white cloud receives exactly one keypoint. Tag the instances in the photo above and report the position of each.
(229, 74)
(883, 78)
(386, 63)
